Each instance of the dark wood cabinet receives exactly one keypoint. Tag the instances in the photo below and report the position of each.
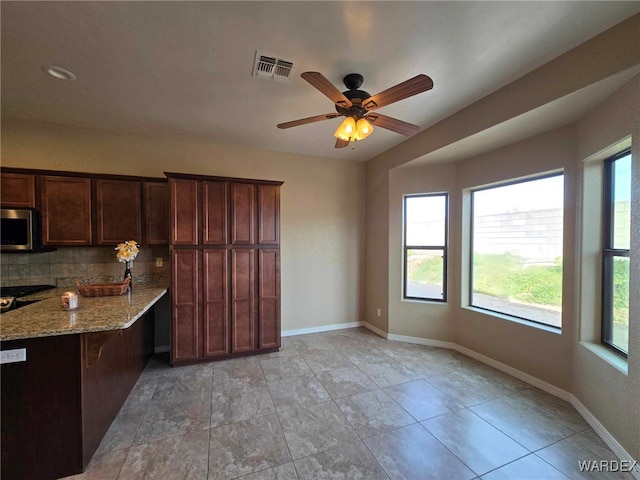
(17, 190)
(242, 293)
(268, 215)
(186, 323)
(81, 210)
(118, 211)
(215, 304)
(156, 213)
(66, 210)
(185, 211)
(269, 297)
(57, 405)
(243, 205)
(215, 229)
(226, 267)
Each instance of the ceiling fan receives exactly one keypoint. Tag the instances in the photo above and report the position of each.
(358, 106)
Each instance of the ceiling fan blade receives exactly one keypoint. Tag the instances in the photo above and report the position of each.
(320, 82)
(341, 143)
(393, 124)
(413, 86)
(304, 121)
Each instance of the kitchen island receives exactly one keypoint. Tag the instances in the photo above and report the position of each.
(80, 367)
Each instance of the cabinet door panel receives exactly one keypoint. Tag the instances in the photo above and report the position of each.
(156, 207)
(215, 304)
(66, 211)
(214, 204)
(17, 190)
(268, 214)
(185, 211)
(269, 297)
(242, 213)
(118, 211)
(185, 328)
(242, 292)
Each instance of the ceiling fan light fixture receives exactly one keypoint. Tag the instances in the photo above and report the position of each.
(363, 129)
(347, 130)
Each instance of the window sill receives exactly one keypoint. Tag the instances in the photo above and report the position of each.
(427, 301)
(612, 358)
(509, 318)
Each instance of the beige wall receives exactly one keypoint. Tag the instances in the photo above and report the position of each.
(377, 248)
(431, 320)
(541, 353)
(612, 395)
(322, 202)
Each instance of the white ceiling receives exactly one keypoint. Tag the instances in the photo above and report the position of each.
(185, 68)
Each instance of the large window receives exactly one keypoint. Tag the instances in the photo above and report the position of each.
(517, 249)
(425, 247)
(616, 237)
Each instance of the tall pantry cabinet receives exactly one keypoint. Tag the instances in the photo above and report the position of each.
(225, 253)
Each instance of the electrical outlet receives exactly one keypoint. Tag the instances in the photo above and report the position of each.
(13, 356)
(159, 262)
(379, 312)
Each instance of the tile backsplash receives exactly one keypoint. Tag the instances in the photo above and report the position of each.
(88, 264)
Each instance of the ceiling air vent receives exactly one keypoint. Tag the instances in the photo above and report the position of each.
(273, 68)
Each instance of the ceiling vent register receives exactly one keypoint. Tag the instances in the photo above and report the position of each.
(273, 68)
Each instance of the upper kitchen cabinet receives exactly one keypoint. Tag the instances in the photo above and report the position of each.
(66, 210)
(214, 215)
(156, 213)
(17, 190)
(118, 211)
(185, 211)
(268, 214)
(243, 213)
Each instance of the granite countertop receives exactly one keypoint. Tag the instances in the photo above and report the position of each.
(94, 314)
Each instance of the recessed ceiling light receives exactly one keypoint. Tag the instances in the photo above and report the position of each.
(58, 72)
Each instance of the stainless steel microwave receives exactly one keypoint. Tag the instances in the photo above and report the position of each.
(19, 230)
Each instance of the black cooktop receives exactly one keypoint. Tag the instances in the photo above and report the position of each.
(22, 291)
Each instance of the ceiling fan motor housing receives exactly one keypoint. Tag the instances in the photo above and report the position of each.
(353, 81)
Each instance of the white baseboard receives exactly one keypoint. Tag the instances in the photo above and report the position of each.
(374, 329)
(514, 372)
(421, 341)
(323, 328)
(161, 349)
(604, 434)
(403, 338)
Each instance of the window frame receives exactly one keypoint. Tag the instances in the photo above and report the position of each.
(609, 253)
(444, 247)
(507, 183)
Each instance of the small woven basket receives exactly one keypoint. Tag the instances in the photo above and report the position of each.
(103, 289)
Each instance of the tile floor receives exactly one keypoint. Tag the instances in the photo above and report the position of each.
(347, 405)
